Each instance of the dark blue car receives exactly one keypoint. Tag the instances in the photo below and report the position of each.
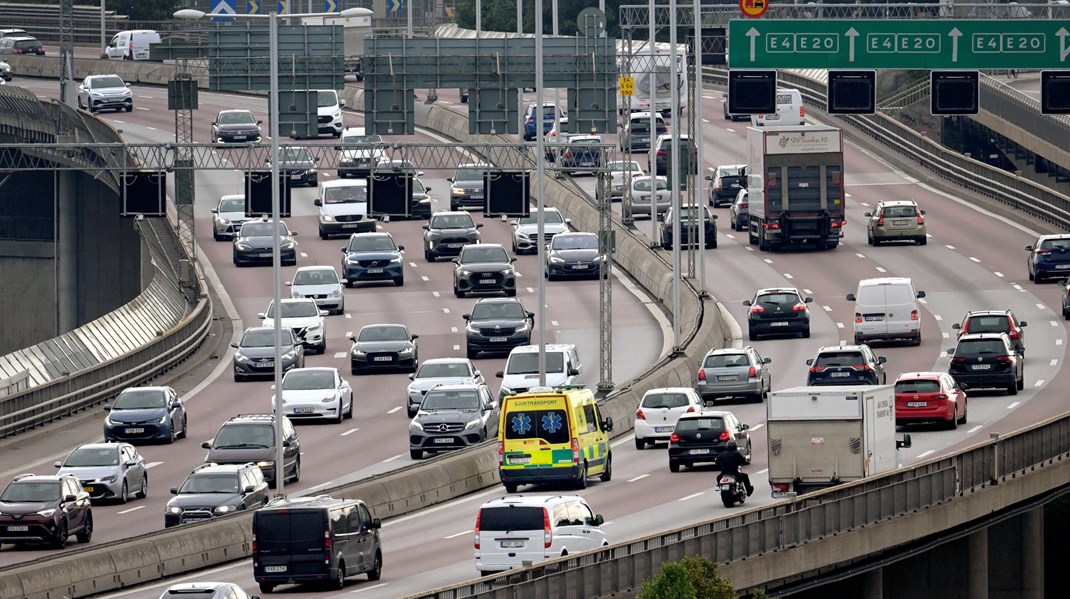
(548, 111)
(372, 257)
(1049, 258)
(145, 414)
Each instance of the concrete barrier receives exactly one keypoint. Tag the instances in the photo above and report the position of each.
(174, 551)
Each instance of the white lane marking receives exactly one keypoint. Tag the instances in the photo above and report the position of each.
(152, 464)
(553, 323)
(692, 496)
(518, 275)
(339, 354)
(458, 347)
(762, 471)
(703, 120)
(414, 265)
(348, 315)
(453, 329)
(640, 477)
(1018, 287)
(866, 204)
(925, 453)
(1014, 405)
(827, 308)
(455, 535)
(1054, 323)
(729, 235)
(445, 310)
(950, 247)
(143, 108)
(321, 485)
(788, 276)
(374, 586)
(427, 278)
(1041, 306)
(435, 293)
(974, 429)
(348, 334)
(349, 432)
(1039, 383)
(391, 458)
(938, 317)
(133, 509)
(1058, 342)
(757, 426)
(1054, 361)
(881, 269)
(975, 259)
(807, 291)
(998, 274)
(839, 325)
(394, 409)
(860, 255)
(304, 255)
(767, 260)
(946, 336)
(530, 290)
(748, 248)
(728, 129)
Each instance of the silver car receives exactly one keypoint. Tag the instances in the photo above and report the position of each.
(734, 372)
(526, 229)
(107, 470)
(229, 216)
(439, 371)
(99, 92)
(641, 195)
(322, 284)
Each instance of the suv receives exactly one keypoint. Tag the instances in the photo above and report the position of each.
(214, 490)
(21, 45)
(439, 371)
(727, 182)
(484, 267)
(526, 229)
(514, 530)
(636, 134)
(896, 220)
(251, 438)
(663, 156)
(466, 187)
(497, 325)
(372, 257)
(987, 360)
(359, 152)
(734, 372)
(447, 233)
(256, 352)
(778, 310)
(659, 410)
(688, 217)
(453, 417)
(702, 436)
(548, 112)
(1049, 257)
(45, 509)
(302, 316)
(846, 365)
(994, 321)
(100, 92)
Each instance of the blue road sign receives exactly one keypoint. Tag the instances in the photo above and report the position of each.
(252, 7)
(284, 7)
(223, 10)
(330, 6)
(396, 5)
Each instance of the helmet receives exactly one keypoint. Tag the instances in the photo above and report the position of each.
(731, 446)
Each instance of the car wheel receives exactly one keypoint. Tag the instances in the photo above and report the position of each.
(349, 410)
(1066, 314)
(130, 108)
(185, 428)
(923, 240)
(170, 433)
(1030, 274)
(144, 492)
(266, 588)
(341, 415)
(217, 236)
(353, 370)
(416, 454)
(399, 281)
(86, 534)
(858, 339)
(471, 353)
(1021, 382)
(323, 235)
(607, 474)
(238, 378)
(951, 424)
(348, 284)
(965, 407)
(297, 470)
(752, 334)
(581, 482)
(869, 238)
(806, 333)
(640, 444)
(750, 454)
(458, 292)
(1012, 389)
(377, 567)
(674, 467)
(510, 292)
(60, 540)
(428, 256)
(339, 581)
(510, 488)
(124, 493)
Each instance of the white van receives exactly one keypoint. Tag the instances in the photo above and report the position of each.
(789, 110)
(329, 112)
(887, 309)
(522, 368)
(343, 208)
(131, 45)
(515, 529)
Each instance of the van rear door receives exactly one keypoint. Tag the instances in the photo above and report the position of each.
(510, 535)
(902, 309)
(871, 310)
(535, 433)
(290, 542)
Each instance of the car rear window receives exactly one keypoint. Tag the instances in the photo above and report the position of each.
(988, 324)
(731, 171)
(294, 532)
(549, 425)
(899, 211)
(976, 347)
(778, 299)
(839, 358)
(1055, 244)
(726, 360)
(705, 423)
(508, 518)
(664, 400)
(917, 386)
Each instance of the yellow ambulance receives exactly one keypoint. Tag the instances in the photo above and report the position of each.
(553, 435)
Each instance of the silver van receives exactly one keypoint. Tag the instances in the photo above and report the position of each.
(886, 309)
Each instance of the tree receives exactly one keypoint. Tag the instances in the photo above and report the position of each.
(144, 10)
(672, 582)
(691, 577)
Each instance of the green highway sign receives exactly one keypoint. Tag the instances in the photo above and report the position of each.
(898, 44)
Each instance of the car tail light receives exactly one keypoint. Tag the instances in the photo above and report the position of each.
(254, 541)
(1004, 359)
(780, 486)
(838, 223)
(958, 360)
(880, 222)
(476, 540)
(674, 438)
(744, 205)
(691, 410)
(724, 436)
(941, 396)
(576, 456)
(1013, 334)
(327, 551)
(771, 226)
(16, 50)
(752, 373)
(818, 368)
(863, 367)
(718, 185)
(1042, 252)
(501, 453)
(639, 415)
(921, 219)
(702, 374)
(802, 111)
(913, 315)
(531, 120)
(756, 309)
(661, 153)
(858, 317)
(547, 535)
(799, 307)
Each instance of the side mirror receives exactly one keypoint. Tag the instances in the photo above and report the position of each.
(850, 297)
(131, 464)
(956, 326)
(206, 445)
(107, 407)
(261, 315)
(607, 423)
(810, 362)
(904, 443)
(962, 386)
(531, 315)
(921, 294)
(573, 372)
(466, 316)
(500, 374)
(881, 359)
(341, 103)
(414, 337)
(248, 489)
(450, 179)
(479, 225)
(352, 338)
(456, 260)
(401, 248)
(767, 360)
(214, 211)
(260, 122)
(174, 490)
(746, 302)
(412, 376)
(807, 300)
(58, 464)
(427, 227)
(746, 427)
(289, 283)
(234, 345)
(950, 351)
(1028, 248)
(324, 313)
(285, 443)
(377, 523)
(344, 251)
(427, 188)
(598, 520)
(923, 212)
(213, 122)
(709, 177)
(868, 214)
(70, 498)
(1023, 324)
(513, 259)
(317, 202)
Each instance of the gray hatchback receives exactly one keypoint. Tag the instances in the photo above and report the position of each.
(734, 372)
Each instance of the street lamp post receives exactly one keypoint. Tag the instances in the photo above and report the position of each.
(276, 221)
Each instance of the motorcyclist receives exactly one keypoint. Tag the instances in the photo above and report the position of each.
(731, 460)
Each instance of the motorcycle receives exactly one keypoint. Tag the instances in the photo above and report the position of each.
(733, 490)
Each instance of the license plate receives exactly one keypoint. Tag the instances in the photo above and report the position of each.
(303, 410)
(900, 222)
(727, 377)
(782, 494)
(662, 429)
(1062, 266)
(981, 367)
(274, 568)
(88, 489)
(872, 317)
(266, 255)
(135, 430)
(512, 544)
(455, 245)
(726, 487)
(498, 339)
(19, 528)
(699, 451)
(351, 226)
(295, 177)
(239, 137)
(840, 374)
(444, 440)
(382, 359)
(375, 271)
(917, 404)
(486, 281)
(778, 324)
(578, 267)
(519, 460)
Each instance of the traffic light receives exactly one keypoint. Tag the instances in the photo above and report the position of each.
(953, 92)
(1055, 92)
(852, 92)
(751, 92)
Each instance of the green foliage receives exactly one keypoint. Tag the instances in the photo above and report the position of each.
(671, 583)
(500, 15)
(137, 10)
(691, 577)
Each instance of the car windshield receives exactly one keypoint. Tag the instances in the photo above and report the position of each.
(371, 243)
(361, 139)
(468, 174)
(451, 400)
(139, 400)
(320, 276)
(550, 217)
(839, 358)
(1055, 244)
(232, 205)
(31, 492)
(264, 338)
(644, 184)
(391, 333)
(988, 324)
(295, 155)
(528, 363)
(575, 242)
(474, 255)
(306, 380)
(106, 82)
(93, 456)
(237, 117)
(262, 230)
(245, 435)
(726, 361)
(210, 483)
(448, 370)
(493, 310)
(664, 400)
(898, 212)
(977, 347)
(917, 386)
(345, 195)
(326, 97)
(705, 423)
(453, 221)
(301, 309)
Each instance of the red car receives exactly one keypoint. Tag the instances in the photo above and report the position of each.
(994, 321)
(924, 397)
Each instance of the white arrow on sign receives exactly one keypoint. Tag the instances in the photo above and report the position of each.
(753, 35)
(852, 33)
(955, 35)
(1064, 48)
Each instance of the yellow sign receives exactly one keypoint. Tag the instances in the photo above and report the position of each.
(627, 86)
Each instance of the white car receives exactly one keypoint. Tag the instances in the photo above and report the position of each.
(322, 284)
(5, 71)
(620, 177)
(359, 152)
(229, 216)
(304, 317)
(100, 92)
(658, 411)
(318, 392)
(526, 230)
(642, 195)
(439, 371)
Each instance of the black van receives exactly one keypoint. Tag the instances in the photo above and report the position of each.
(318, 539)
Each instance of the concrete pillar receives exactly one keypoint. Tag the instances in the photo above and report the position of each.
(977, 570)
(873, 584)
(1033, 554)
(66, 251)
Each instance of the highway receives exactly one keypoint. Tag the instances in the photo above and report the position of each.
(974, 260)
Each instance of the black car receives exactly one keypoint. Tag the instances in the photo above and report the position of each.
(663, 156)
(372, 257)
(447, 233)
(573, 255)
(778, 311)
(580, 153)
(379, 347)
(689, 217)
(251, 438)
(45, 509)
(702, 436)
(298, 164)
(846, 365)
(726, 183)
(216, 490)
(453, 417)
(145, 414)
(497, 325)
(21, 45)
(236, 126)
(987, 360)
(466, 186)
(256, 352)
(484, 267)
(254, 243)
